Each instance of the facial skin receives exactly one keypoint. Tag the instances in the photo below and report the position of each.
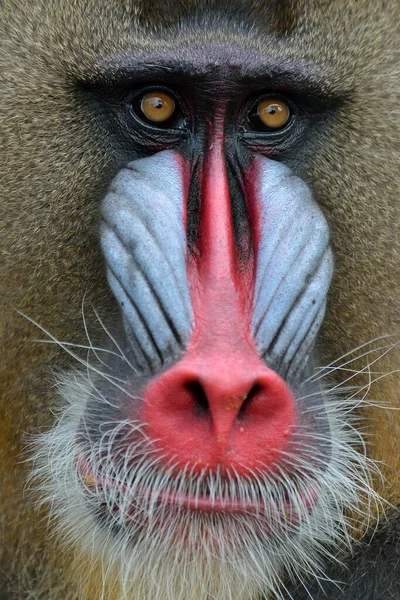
(201, 225)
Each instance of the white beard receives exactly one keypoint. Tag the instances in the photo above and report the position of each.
(231, 557)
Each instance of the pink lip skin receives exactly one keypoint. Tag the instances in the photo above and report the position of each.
(181, 500)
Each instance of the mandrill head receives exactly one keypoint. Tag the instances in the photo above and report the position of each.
(202, 450)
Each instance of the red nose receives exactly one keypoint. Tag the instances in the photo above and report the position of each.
(210, 411)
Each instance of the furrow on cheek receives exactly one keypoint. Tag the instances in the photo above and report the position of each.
(144, 243)
(294, 265)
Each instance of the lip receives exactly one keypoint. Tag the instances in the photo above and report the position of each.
(180, 500)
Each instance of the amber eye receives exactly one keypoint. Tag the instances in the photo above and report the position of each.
(273, 112)
(270, 114)
(157, 107)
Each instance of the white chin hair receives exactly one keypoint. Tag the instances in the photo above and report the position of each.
(220, 556)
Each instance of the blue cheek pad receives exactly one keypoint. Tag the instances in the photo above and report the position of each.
(294, 268)
(143, 238)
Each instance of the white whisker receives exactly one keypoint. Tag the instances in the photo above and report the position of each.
(101, 473)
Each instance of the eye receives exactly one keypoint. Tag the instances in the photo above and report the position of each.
(158, 108)
(270, 114)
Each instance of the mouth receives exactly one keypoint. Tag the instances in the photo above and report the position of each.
(277, 505)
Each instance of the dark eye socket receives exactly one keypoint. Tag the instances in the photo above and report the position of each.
(269, 114)
(159, 108)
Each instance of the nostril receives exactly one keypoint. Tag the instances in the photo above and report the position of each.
(199, 397)
(211, 413)
(254, 392)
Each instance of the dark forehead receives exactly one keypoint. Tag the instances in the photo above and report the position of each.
(296, 41)
(251, 38)
(312, 39)
(216, 61)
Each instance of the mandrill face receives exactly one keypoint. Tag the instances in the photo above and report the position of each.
(201, 217)
(202, 445)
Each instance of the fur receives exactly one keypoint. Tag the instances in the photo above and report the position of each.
(60, 158)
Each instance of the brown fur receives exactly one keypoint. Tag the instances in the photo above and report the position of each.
(58, 163)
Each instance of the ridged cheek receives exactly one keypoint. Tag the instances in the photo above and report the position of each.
(294, 266)
(143, 237)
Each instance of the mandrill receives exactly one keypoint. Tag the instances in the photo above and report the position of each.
(200, 300)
